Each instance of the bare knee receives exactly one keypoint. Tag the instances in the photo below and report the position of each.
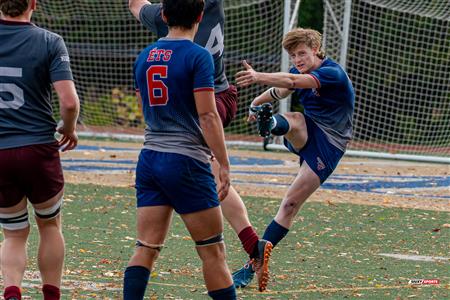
(212, 253)
(290, 207)
(17, 234)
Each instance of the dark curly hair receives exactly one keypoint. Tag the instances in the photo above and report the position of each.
(13, 8)
(182, 13)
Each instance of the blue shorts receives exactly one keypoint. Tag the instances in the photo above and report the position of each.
(320, 155)
(184, 183)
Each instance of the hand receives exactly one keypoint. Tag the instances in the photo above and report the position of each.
(247, 77)
(224, 177)
(252, 112)
(69, 139)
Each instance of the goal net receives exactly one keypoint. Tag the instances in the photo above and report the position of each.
(398, 57)
(103, 40)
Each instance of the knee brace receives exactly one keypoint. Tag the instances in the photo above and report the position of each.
(157, 247)
(15, 221)
(49, 212)
(211, 241)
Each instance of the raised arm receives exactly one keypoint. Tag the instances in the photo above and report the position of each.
(69, 105)
(281, 80)
(135, 7)
(214, 136)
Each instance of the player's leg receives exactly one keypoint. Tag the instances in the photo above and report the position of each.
(43, 176)
(206, 229)
(233, 207)
(153, 223)
(154, 215)
(51, 245)
(304, 185)
(14, 221)
(234, 210)
(259, 250)
(226, 103)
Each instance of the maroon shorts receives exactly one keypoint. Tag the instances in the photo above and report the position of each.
(33, 171)
(226, 102)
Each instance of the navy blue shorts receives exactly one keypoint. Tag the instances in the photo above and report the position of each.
(184, 183)
(320, 155)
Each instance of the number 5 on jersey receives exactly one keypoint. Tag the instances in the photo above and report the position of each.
(158, 93)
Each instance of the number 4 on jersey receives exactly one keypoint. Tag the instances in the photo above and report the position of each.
(158, 93)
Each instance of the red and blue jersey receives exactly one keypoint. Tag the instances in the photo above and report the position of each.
(167, 74)
(331, 105)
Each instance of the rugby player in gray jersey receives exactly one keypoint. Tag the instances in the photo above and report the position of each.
(31, 61)
(210, 35)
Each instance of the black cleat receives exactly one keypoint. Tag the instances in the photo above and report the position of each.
(264, 118)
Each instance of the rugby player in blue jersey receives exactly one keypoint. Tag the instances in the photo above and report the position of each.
(319, 136)
(210, 35)
(31, 61)
(175, 80)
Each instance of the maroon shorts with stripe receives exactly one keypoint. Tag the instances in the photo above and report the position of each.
(32, 171)
(226, 102)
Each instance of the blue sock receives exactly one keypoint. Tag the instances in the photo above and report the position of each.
(135, 282)
(275, 233)
(281, 125)
(228, 293)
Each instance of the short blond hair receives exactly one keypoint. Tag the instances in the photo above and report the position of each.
(309, 37)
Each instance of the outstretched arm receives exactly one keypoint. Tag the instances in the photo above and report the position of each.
(135, 6)
(281, 79)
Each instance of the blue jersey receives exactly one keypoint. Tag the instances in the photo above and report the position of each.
(331, 105)
(167, 73)
(210, 34)
(31, 59)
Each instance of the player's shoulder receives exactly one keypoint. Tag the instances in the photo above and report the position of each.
(47, 36)
(332, 67)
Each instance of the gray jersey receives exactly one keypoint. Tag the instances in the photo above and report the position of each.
(31, 58)
(209, 35)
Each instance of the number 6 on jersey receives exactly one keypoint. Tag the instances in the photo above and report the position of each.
(158, 93)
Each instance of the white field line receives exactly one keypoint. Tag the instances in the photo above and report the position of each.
(416, 257)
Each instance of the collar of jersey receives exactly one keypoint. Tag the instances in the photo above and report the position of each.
(14, 23)
(174, 39)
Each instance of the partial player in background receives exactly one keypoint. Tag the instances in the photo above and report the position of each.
(319, 136)
(210, 35)
(175, 80)
(31, 60)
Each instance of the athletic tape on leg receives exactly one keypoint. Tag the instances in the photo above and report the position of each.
(157, 247)
(49, 212)
(15, 221)
(211, 241)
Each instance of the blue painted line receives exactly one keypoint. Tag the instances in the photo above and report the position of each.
(98, 148)
(100, 161)
(234, 160)
(84, 168)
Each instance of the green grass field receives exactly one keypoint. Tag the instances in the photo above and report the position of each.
(331, 251)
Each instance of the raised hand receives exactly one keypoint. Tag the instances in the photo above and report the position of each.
(246, 77)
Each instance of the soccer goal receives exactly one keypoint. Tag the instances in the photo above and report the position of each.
(397, 53)
(103, 39)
